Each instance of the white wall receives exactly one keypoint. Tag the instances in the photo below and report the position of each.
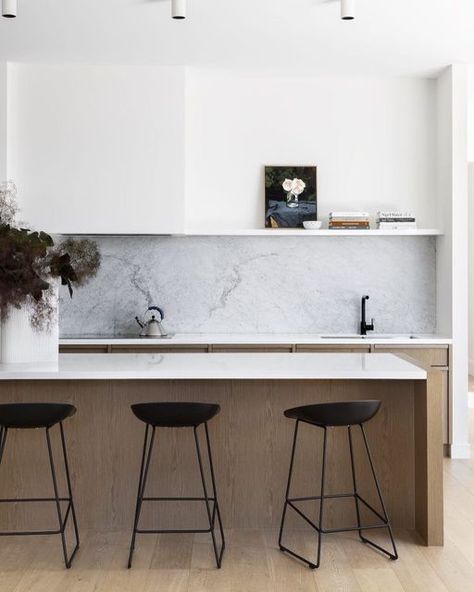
(470, 153)
(373, 141)
(470, 120)
(452, 260)
(3, 121)
(102, 147)
(471, 266)
(114, 140)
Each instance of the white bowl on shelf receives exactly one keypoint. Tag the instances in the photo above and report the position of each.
(312, 224)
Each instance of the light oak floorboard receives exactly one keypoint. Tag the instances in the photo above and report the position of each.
(252, 563)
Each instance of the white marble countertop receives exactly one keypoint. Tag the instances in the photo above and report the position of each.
(258, 338)
(239, 366)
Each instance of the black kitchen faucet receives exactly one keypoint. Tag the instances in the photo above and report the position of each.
(364, 326)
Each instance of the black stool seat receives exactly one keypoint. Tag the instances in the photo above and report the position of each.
(34, 415)
(175, 415)
(335, 414)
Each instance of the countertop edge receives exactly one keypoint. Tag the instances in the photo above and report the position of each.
(223, 366)
(257, 339)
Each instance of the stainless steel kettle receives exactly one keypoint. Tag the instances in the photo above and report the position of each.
(152, 327)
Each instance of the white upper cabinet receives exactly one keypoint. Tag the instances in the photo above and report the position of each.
(98, 149)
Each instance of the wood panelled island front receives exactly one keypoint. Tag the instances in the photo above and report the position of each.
(251, 438)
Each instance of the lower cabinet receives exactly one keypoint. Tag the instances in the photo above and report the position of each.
(251, 348)
(357, 349)
(160, 349)
(84, 349)
(437, 358)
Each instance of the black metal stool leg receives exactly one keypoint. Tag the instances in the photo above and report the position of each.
(321, 505)
(142, 466)
(214, 492)
(3, 441)
(354, 481)
(145, 465)
(68, 481)
(393, 555)
(206, 498)
(56, 496)
(288, 486)
(289, 503)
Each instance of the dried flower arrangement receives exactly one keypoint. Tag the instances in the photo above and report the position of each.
(30, 262)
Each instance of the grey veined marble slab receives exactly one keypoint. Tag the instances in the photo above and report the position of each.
(258, 284)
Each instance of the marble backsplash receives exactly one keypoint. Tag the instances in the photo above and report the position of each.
(258, 285)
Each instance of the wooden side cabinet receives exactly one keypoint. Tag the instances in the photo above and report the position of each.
(438, 358)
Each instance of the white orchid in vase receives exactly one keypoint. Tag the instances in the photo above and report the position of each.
(293, 188)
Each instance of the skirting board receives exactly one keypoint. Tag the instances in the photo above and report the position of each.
(460, 451)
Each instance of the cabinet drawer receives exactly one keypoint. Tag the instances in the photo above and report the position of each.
(159, 349)
(360, 349)
(431, 356)
(84, 349)
(252, 348)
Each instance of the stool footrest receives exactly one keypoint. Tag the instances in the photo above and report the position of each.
(174, 531)
(15, 500)
(39, 532)
(290, 502)
(178, 499)
(185, 530)
(29, 532)
(359, 528)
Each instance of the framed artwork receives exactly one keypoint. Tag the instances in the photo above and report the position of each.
(290, 196)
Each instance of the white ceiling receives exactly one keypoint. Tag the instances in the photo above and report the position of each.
(301, 37)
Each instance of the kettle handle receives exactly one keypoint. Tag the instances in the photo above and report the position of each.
(162, 314)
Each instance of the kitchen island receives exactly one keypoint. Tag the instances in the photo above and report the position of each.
(251, 437)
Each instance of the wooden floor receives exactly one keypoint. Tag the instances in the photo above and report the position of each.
(181, 563)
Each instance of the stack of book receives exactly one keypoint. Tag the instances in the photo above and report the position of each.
(396, 220)
(349, 221)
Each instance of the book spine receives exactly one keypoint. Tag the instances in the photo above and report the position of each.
(349, 222)
(397, 225)
(349, 227)
(394, 214)
(396, 219)
(342, 219)
(348, 214)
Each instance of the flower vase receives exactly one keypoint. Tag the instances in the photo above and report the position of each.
(291, 200)
(21, 343)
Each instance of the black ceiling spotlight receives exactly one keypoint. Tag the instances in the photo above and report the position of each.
(9, 8)
(178, 9)
(347, 10)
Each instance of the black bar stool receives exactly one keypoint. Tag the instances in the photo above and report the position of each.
(329, 415)
(177, 415)
(25, 416)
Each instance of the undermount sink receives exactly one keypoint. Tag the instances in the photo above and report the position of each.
(377, 336)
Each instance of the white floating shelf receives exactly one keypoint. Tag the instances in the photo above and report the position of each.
(322, 232)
